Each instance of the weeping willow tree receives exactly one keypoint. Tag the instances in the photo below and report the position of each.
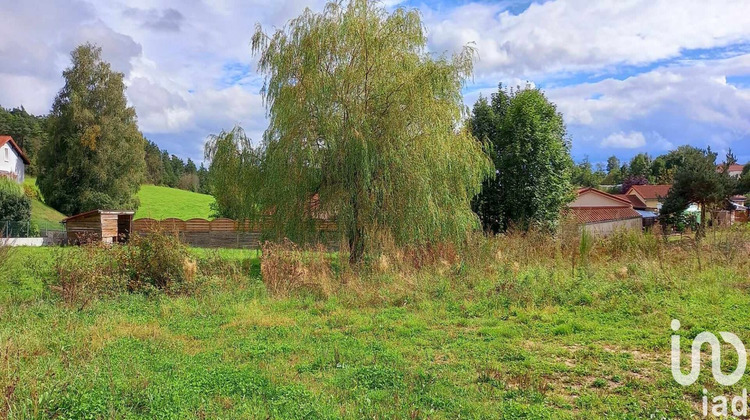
(361, 116)
(234, 174)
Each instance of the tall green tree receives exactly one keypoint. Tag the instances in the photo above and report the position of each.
(204, 185)
(743, 184)
(534, 163)
(613, 163)
(94, 157)
(526, 138)
(485, 124)
(28, 131)
(664, 167)
(234, 174)
(584, 174)
(361, 115)
(696, 181)
(154, 165)
(730, 158)
(640, 165)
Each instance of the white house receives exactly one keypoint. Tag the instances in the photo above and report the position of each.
(736, 170)
(12, 159)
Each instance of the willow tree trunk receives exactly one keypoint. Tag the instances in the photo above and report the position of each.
(356, 238)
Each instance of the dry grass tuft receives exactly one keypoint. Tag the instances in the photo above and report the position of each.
(86, 272)
(286, 268)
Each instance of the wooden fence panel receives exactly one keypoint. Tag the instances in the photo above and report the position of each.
(221, 233)
(223, 225)
(172, 225)
(197, 225)
(145, 225)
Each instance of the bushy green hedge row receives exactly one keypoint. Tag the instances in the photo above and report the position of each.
(14, 204)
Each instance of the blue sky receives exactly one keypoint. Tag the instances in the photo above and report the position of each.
(629, 76)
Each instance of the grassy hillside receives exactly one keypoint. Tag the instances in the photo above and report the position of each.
(156, 202)
(163, 202)
(43, 215)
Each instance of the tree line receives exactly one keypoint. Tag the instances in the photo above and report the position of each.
(170, 170)
(641, 169)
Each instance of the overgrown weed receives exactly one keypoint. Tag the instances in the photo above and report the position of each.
(286, 268)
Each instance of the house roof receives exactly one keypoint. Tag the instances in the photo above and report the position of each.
(588, 215)
(647, 214)
(634, 200)
(98, 211)
(736, 168)
(650, 192)
(605, 194)
(9, 139)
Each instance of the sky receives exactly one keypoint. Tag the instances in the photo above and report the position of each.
(629, 76)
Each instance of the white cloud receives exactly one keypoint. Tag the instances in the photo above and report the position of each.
(573, 35)
(620, 140)
(190, 72)
(697, 90)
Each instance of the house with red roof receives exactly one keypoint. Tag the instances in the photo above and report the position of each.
(601, 213)
(735, 170)
(12, 159)
(652, 195)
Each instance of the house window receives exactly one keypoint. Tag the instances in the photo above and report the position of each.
(6, 155)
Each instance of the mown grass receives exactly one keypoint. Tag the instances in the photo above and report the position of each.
(156, 202)
(43, 215)
(516, 331)
(164, 202)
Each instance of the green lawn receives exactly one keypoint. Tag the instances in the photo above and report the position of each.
(523, 336)
(156, 202)
(163, 202)
(43, 215)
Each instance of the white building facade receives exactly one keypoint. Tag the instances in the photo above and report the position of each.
(12, 160)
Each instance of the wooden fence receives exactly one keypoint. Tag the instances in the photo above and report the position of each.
(217, 233)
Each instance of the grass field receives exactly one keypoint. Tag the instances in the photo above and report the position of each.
(43, 215)
(156, 202)
(521, 334)
(163, 202)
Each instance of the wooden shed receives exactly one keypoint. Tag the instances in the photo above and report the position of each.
(108, 226)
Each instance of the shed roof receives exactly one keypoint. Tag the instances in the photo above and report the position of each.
(646, 214)
(98, 211)
(634, 200)
(9, 139)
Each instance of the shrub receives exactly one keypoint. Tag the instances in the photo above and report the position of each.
(157, 260)
(287, 268)
(153, 261)
(85, 272)
(14, 205)
(32, 191)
